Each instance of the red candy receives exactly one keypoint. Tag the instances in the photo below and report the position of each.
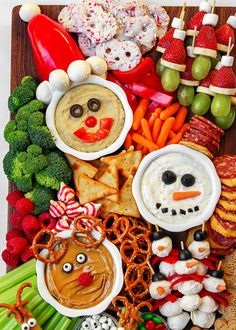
(85, 279)
(150, 325)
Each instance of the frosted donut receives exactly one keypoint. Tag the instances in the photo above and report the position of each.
(131, 8)
(208, 305)
(171, 309)
(161, 17)
(69, 16)
(203, 320)
(190, 303)
(189, 287)
(86, 46)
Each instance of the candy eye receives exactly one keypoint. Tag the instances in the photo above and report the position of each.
(32, 322)
(76, 111)
(67, 267)
(86, 325)
(188, 180)
(94, 104)
(81, 258)
(25, 326)
(168, 177)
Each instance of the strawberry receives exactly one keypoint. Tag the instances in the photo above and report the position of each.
(196, 21)
(224, 33)
(224, 78)
(208, 80)
(175, 53)
(206, 38)
(165, 41)
(187, 74)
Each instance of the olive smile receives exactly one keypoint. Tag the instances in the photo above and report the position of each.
(175, 212)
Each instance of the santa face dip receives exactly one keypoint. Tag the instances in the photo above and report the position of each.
(175, 188)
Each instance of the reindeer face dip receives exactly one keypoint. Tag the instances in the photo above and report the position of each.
(83, 278)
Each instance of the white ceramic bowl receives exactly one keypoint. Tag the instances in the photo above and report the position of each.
(102, 306)
(198, 219)
(97, 154)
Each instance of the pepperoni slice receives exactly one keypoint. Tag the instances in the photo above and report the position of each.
(203, 127)
(222, 252)
(200, 141)
(204, 137)
(225, 166)
(217, 128)
(220, 239)
(229, 189)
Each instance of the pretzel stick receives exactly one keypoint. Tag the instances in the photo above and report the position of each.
(219, 265)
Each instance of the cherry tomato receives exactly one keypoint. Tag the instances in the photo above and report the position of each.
(91, 121)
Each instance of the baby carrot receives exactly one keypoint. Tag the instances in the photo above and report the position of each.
(184, 128)
(146, 129)
(158, 111)
(140, 112)
(179, 195)
(180, 119)
(166, 127)
(176, 139)
(156, 129)
(144, 142)
(152, 120)
(170, 111)
(128, 141)
(171, 134)
(145, 151)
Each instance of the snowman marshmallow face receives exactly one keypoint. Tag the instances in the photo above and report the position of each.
(200, 250)
(162, 247)
(176, 188)
(159, 289)
(214, 284)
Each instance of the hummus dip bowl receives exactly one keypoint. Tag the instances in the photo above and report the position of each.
(176, 188)
(102, 305)
(114, 143)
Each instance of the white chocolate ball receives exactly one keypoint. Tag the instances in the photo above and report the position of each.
(214, 284)
(170, 309)
(201, 269)
(59, 80)
(28, 11)
(178, 322)
(186, 266)
(154, 289)
(190, 303)
(98, 65)
(79, 71)
(44, 92)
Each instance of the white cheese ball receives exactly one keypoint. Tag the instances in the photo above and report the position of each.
(203, 320)
(59, 80)
(162, 247)
(208, 305)
(98, 65)
(28, 11)
(186, 266)
(199, 249)
(190, 303)
(214, 284)
(170, 309)
(201, 268)
(189, 287)
(178, 322)
(79, 71)
(166, 268)
(44, 92)
(160, 289)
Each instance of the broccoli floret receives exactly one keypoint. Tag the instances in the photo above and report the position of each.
(57, 171)
(36, 119)
(41, 136)
(33, 160)
(19, 140)
(17, 175)
(19, 97)
(29, 82)
(8, 163)
(41, 197)
(34, 150)
(25, 112)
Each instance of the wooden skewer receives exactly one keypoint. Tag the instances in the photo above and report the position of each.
(219, 265)
(229, 46)
(150, 266)
(213, 6)
(194, 36)
(182, 245)
(157, 228)
(203, 226)
(183, 11)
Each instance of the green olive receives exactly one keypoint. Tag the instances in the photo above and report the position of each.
(185, 95)
(220, 106)
(201, 67)
(201, 104)
(170, 79)
(226, 122)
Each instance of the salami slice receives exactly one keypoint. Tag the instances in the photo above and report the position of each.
(229, 189)
(222, 252)
(217, 128)
(196, 139)
(225, 166)
(220, 239)
(204, 137)
(201, 126)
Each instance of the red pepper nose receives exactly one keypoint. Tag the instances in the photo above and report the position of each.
(85, 279)
(91, 121)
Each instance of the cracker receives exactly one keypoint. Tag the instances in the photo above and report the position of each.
(231, 196)
(110, 178)
(225, 215)
(197, 147)
(227, 205)
(221, 230)
(229, 182)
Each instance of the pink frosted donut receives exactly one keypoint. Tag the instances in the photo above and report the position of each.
(73, 209)
(65, 194)
(57, 209)
(62, 225)
(161, 17)
(86, 46)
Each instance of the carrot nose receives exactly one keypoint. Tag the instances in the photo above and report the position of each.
(201, 249)
(161, 248)
(179, 195)
(221, 287)
(160, 290)
(191, 264)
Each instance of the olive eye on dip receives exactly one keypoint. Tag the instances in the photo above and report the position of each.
(67, 267)
(188, 180)
(81, 258)
(168, 177)
(76, 111)
(94, 104)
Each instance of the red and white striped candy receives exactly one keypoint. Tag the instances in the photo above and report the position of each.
(65, 194)
(57, 209)
(62, 225)
(73, 209)
(91, 209)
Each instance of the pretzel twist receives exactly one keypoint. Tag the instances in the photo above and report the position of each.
(117, 232)
(137, 281)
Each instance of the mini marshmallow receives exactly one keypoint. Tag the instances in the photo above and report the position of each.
(178, 322)
(162, 247)
(59, 80)
(210, 19)
(208, 305)
(190, 303)
(205, 6)
(171, 309)
(179, 34)
(190, 52)
(166, 269)
(232, 21)
(98, 65)
(183, 266)
(177, 23)
(196, 247)
(79, 71)
(203, 320)
(227, 61)
(44, 92)
(28, 11)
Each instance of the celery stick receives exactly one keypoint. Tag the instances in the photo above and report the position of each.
(54, 320)
(10, 323)
(45, 316)
(17, 275)
(34, 302)
(63, 324)
(39, 309)
(73, 324)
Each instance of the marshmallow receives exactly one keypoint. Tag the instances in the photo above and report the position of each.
(177, 23)
(179, 34)
(205, 6)
(227, 61)
(232, 21)
(210, 19)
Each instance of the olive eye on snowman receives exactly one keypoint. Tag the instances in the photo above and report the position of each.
(67, 267)
(93, 104)
(187, 180)
(168, 177)
(32, 322)
(76, 111)
(81, 258)
(25, 326)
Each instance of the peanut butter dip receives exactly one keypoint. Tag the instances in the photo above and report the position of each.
(63, 278)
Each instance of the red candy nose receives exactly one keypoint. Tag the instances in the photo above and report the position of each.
(85, 279)
(91, 121)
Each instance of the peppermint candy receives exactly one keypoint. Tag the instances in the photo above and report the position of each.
(57, 209)
(65, 194)
(62, 224)
(73, 209)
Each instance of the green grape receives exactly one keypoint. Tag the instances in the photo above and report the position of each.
(201, 67)
(220, 106)
(188, 41)
(185, 95)
(226, 122)
(201, 104)
(214, 61)
(170, 79)
(159, 68)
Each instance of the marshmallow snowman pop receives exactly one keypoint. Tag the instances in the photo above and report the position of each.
(200, 247)
(161, 243)
(215, 282)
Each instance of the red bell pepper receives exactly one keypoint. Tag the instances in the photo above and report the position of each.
(142, 90)
(53, 47)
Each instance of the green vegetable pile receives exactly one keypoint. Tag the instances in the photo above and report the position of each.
(33, 162)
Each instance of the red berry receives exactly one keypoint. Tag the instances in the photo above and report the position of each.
(12, 233)
(27, 254)
(85, 279)
(150, 325)
(16, 220)
(17, 245)
(14, 196)
(30, 237)
(24, 206)
(47, 221)
(10, 259)
(30, 224)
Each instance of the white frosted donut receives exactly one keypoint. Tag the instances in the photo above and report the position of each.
(170, 309)
(86, 46)
(178, 322)
(69, 17)
(208, 305)
(189, 287)
(190, 303)
(161, 17)
(203, 320)
(166, 268)
(123, 8)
